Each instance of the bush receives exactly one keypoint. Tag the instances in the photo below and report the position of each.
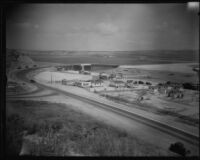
(140, 82)
(32, 81)
(168, 82)
(190, 86)
(135, 82)
(148, 83)
(14, 128)
(129, 81)
(179, 148)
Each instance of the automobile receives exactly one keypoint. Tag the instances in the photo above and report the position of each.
(32, 81)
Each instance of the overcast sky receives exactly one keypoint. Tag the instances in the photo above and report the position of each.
(102, 27)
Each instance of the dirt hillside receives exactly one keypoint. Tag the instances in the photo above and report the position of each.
(17, 60)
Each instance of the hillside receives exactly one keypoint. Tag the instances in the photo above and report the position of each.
(16, 59)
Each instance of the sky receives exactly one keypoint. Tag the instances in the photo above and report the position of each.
(102, 27)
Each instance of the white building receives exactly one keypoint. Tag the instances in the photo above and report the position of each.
(96, 83)
(84, 84)
(117, 84)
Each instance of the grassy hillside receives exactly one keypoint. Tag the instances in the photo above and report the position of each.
(54, 129)
(16, 59)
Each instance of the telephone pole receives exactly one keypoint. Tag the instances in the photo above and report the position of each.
(51, 77)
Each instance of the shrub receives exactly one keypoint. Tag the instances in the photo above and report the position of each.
(32, 81)
(141, 82)
(179, 148)
(129, 81)
(135, 82)
(168, 82)
(148, 83)
(14, 128)
(190, 86)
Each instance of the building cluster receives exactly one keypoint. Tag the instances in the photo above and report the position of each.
(174, 90)
(116, 80)
(119, 80)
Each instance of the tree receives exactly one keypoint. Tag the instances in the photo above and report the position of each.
(168, 82)
(141, 82)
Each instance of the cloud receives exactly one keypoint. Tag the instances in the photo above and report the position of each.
(107, 28)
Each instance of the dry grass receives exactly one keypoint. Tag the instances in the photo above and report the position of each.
(55, 129)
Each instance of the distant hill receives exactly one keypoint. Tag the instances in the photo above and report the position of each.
(16, 59)
(114, 53)
(112, 57)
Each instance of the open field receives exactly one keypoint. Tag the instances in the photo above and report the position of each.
(56, 76)
(179, 73)
(179, 67)
(42, 128)
(183, 109)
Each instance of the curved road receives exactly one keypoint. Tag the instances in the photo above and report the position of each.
(185, 136)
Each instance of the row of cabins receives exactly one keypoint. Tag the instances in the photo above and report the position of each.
(89, 83)
(174, 90)
(127, 83)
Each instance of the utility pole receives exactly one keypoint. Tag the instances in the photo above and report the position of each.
(51, 77)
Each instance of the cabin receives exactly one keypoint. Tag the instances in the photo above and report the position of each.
(117, 84)
(68, 82)
(104, 76)
(96, 83)
(83, 84)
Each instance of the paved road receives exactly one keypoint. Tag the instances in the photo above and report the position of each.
(189, 138)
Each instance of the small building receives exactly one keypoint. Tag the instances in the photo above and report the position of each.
(72, 71)
(86, 72)
(83, 84)
(68, 82)
(117, 84)
(119, 75)
(181, 89)
(96, 83)
(95, 76)
(112, 75)
(129, 85)
(155, 90)
(129, 80)
(104, 76)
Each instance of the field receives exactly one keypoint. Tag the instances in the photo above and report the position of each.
(56, 76)
(184, 109)
(180, 73)
(52, 129)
